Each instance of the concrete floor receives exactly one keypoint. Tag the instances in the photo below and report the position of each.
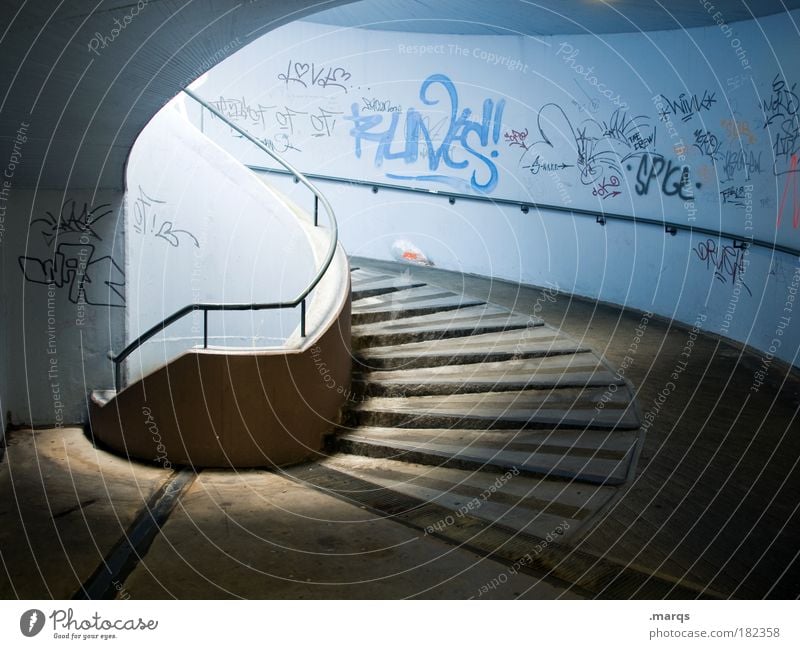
(248, 534)
(713, 503)
(63, 505)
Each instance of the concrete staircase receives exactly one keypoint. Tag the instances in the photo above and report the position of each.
(447, 380)
(481, 425)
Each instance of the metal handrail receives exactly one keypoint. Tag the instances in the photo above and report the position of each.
(205, 307)
(599, 215)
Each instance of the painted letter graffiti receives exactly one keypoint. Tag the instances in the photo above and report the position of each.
(99, 282)
(597, 147)
(312, 74)
(607, 189)
(791, 183)
(653, 166)
(782, 118)
(69, 220)
(93, 280)
(728, 261)
(148, 224)
(463, 135)
(686, 106)
(707, 143)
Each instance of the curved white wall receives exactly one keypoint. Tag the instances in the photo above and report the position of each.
(697, 127)
(202, 228)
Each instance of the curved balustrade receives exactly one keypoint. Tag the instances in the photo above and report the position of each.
(205, 307)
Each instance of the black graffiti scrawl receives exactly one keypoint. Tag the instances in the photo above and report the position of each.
(71, 261)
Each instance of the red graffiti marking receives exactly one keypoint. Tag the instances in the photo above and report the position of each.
(792, 180)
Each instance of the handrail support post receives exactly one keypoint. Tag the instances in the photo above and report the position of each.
(303, 318)
(205, 328)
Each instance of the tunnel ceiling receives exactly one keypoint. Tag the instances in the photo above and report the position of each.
(543, 17)
(85, 76)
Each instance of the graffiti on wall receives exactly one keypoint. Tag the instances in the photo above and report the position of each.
(672, 179)
(468, 145)
(309, 75)
(71, 261)
(700, 142)
(685, 106)
(147, 222)
(283, 124)
(597, 149)
(727, 262)
(782, 120)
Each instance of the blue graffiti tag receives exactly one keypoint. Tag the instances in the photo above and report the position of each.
(459, 130)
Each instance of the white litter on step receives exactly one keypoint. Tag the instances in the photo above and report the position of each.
(404, 250)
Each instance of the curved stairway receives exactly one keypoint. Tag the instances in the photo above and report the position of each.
(446, 379)
(486, 427)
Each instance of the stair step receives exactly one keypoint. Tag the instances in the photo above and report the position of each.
(408, 295)
(563, 408)
(408, 302)
(531, 342)
(451, 384)
(363, 269)
(517, 501)
(546, 461)
(576, 370)
(578, 442)
(361, 274)
(469, 321)
(545, 548)
(365, 285)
